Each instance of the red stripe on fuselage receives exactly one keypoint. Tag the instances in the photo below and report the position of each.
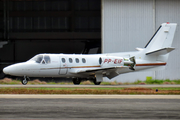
(151, 64)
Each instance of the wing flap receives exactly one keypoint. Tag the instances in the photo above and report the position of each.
(96, 69)
(109, 72)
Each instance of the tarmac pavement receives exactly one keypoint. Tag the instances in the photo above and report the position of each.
(83, 108)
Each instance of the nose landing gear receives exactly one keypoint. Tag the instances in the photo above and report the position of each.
(25, 80)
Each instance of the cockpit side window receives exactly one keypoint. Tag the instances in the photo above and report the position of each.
(47, 59)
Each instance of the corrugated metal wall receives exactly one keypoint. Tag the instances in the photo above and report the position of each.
(127, 24)
(169, 10)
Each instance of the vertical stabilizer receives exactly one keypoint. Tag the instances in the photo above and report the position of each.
(162, 39)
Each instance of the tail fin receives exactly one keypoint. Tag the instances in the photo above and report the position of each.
(160, 43)
(162, 39)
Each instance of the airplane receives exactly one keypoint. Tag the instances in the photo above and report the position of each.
(94, 67)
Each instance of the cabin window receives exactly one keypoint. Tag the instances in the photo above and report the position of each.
(83, 60)
(100, 60)
(70, 60)
(77, 60)
(63, 60)
(47, 59)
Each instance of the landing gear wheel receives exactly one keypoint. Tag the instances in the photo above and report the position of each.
(96, 83)
(24, 82)
(76, 81)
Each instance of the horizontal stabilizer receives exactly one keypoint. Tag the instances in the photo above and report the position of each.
(161, 51)
(139, 49)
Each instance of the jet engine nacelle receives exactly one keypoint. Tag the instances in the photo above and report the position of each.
(111, 61)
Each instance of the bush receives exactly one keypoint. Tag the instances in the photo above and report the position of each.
(176, 81)
(149, 81)
(86, 83)
(138, 82)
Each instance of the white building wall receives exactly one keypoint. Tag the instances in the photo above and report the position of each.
(127, 24)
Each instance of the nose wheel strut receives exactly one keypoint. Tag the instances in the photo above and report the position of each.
(25, 80)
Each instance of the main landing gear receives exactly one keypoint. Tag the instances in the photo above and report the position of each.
(96, 83)
(25, 80)
(77, 81)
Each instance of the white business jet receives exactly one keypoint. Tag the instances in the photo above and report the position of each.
(94, 67)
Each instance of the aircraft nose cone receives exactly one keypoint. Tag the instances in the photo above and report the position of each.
(14, 70)
(6, 70)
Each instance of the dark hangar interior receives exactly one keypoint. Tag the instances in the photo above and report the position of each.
(30, 27)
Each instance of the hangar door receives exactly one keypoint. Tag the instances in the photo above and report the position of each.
(127, 24)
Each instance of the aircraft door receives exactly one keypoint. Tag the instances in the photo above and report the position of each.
(63, 66)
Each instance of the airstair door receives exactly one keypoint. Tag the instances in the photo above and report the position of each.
(63, 66)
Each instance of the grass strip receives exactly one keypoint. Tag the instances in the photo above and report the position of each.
(143, 91)
(148, 81)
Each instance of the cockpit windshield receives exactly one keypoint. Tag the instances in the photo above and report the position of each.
(43, 59)
(39, 58)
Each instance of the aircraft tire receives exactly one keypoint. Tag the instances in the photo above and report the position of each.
(76, 81)
(24, 82)
(96, 83)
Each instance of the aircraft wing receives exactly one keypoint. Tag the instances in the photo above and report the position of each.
(109, 72)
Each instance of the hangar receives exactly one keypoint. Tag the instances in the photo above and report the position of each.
(127, 24)
(29, 27)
